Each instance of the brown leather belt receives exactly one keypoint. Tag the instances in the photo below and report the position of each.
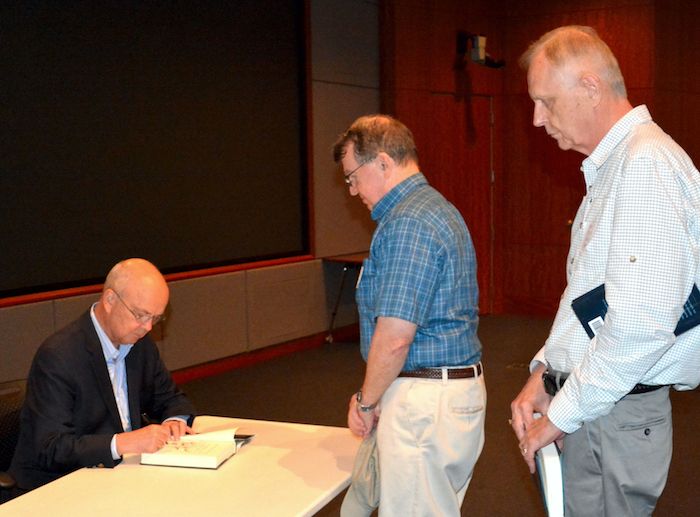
(452, 373)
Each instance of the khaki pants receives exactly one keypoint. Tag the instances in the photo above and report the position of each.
(429, 436)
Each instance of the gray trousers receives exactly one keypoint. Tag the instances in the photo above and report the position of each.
(617, 465)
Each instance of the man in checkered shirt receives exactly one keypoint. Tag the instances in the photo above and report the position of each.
(637, 231)
(417, 298)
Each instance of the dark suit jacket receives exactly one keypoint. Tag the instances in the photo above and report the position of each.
(70, 413)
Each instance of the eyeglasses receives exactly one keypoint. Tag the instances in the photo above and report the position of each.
(347, 177)
(142, 318)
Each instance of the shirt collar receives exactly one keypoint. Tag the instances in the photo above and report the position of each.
(396, 194)
(110, 351)
(592, 164)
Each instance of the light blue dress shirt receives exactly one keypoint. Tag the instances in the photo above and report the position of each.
(116, 365)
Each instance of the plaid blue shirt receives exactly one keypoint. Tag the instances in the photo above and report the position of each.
(422, 268)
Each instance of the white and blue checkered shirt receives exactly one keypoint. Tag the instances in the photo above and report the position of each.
(422, 268)
(638, 232)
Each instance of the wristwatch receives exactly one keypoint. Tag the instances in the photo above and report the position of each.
(361, 407)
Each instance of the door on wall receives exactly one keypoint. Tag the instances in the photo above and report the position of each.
(457, 157)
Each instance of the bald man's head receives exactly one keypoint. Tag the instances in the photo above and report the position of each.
(134, 297)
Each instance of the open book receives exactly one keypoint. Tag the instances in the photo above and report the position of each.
(203, 450)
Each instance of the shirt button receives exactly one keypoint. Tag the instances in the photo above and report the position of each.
(633, 259)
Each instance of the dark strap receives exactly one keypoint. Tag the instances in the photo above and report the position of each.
(553, 381)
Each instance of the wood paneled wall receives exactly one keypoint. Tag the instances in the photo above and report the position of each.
(543, 185)
(676, 61)
(448, 108)
(521, 223)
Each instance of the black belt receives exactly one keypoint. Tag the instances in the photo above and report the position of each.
(452, 373)
(553, 381)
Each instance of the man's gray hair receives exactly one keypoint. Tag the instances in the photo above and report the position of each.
(578, 42)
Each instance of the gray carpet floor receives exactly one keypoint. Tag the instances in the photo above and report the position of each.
(314, 386)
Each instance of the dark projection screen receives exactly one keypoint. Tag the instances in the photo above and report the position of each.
(173, 131)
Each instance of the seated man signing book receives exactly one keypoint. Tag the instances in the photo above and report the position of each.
(91, 382)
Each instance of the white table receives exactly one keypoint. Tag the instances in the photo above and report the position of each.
(287, 470)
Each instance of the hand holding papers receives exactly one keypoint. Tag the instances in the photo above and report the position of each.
(549, 479)
(204, 450)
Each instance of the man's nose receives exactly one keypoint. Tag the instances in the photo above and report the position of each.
(538, 116)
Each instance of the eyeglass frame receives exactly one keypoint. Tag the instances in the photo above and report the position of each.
(143, 318)
(346, 177)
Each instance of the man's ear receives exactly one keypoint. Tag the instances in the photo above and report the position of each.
(109, 299)
(593, 87)
(384, 161)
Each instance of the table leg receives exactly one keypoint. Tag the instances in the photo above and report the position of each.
(329, 337)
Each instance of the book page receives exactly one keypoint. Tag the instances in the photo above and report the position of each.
(201, 454)
(202, 448)
(224, 435)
